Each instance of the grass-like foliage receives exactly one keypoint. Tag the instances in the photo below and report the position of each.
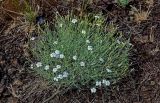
(123, 2)
(79, 53)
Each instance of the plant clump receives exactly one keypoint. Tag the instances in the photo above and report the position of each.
(78, 52)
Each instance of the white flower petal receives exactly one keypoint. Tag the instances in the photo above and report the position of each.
(74, 21)
(31, 66)
(61, 56)
(54, 70)
(75, 57)
(97, 17)
(106, 82)
(83, 32)
(58, 66)
(93, 90)
(60, 76)
(39, 64)
(57, 52)
(108, 70)
(118, 42)
(55, 42)
(65, 74)
(87, 41)
(55, 79)
(33, 38)
(98, 83)
(101, 59)
(82, 64)
(46, 67)
(90, 48)
(98, 24)
(60, 25)
(54, 55)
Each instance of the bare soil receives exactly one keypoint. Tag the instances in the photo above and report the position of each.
(19, 84)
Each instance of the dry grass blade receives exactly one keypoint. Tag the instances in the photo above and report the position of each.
(13, 91)
(149, 2)
(56, 92)
(151, 35)
(140, 15)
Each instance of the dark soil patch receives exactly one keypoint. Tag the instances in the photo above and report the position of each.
(18, 84)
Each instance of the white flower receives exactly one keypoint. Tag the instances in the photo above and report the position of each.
(98, 83)
(98, 24)
(87, 41)
(108, 70)
(56, 42)
(90, 48)
(39, 64)
(65, 74)
(75, 57)
(58, 66)
(93, 90)
(60, 76)
(82, 64)
(61, 56)
(60, 25)
(31, 66)
(55, 79)
(106, 82)
(74, 21)
(57, 52)
(83, 32)
(54, 55)
(101, 59)
(97, 17)
(33, 38)
(46, 67)
(55, 70)
(118, 42)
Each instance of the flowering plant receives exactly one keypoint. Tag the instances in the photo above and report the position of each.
(78, 52)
